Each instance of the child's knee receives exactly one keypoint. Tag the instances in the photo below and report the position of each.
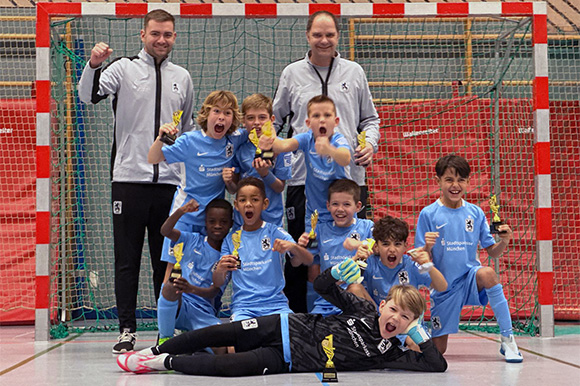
(486, 278)
(169, 293)
(440, 343)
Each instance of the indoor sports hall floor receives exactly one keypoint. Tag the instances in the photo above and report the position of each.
(474, 359)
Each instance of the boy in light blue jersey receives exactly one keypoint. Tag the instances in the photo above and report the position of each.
(327, 155)
(192, 293)
(205, 154)
(452, 229)
(343, 204)
(388, 264)
(258, 280)
(257, 112)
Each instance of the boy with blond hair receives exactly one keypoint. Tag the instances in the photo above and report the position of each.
(294, 343)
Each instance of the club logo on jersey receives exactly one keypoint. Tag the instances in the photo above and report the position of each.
(355, 235)
(290, 213)
(266, 244)
(249, 324)
(384, 346)
(190, 265)
(469, 224)
(229, 150)
(201, 168)
(350, 322)
(287, 160)
(436, 322)
(117, 207)
(328, 159)
(326, 257)
(442, 241)
(175, 87)
(344, 87)
(403, 277)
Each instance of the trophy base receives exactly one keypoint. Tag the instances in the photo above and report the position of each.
(329, 375)
(312, 243)
(168, 139)
(175, 274)
(266, 155)
(238, 264)
(494, 227)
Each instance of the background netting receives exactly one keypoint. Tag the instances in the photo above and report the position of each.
(440, 85)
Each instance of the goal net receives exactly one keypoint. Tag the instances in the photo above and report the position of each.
(461, 84)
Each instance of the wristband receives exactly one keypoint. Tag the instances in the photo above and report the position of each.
(269, 179)
(426, 268)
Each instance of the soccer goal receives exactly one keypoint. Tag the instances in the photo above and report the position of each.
(468, 78)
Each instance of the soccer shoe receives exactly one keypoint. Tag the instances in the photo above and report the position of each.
(125, 343)
(122, 361)
(509, 349)
(160, 341)
(143, 363)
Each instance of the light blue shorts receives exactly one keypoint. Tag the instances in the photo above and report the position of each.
(241, 314)
(446, 306)
(192, 317)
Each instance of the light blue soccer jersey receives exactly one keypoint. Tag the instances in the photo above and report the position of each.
(204, 159)
(461, 231)
(320, 172)
(197, 265)
(281, 168)
(378, 278)
(330, 252)
(259, 283)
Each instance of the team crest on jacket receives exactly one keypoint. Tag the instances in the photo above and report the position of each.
(175, 87)
(229, 150)
(344, 86)
(403, 277)
(384, 346)
(266, 244)
(469, 224)
(249, 324)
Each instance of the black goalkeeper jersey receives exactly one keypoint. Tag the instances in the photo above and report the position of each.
(358, 344)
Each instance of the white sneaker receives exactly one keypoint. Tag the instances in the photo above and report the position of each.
(510, 350)
(144, 363)
(125, 343)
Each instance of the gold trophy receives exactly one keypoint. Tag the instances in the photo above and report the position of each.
(370, 243)
(266, 155)
(169, 139)
(329, 374)
(362, 139)
(496, 220)
(236, 239)
(312, 243)
(178, 254)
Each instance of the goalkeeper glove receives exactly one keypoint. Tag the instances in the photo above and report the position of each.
(347, 271)
(417, 332)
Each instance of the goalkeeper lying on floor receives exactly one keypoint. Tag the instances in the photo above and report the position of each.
(362, 339)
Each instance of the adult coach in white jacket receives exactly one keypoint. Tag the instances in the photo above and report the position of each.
(146, 90)
(323, 71)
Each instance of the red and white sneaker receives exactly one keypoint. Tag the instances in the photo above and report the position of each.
(145, 363)
(122, 361)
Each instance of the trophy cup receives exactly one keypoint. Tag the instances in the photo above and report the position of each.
(236, 239)
(266, 155)
(312, 243)
(496, 220)
(423, 268)
(169, 139)
(362, 139)
(370, 243)
(178, 254)
(329, 374)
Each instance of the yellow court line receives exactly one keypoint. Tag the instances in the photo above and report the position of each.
(528, 350)
(25, 361)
